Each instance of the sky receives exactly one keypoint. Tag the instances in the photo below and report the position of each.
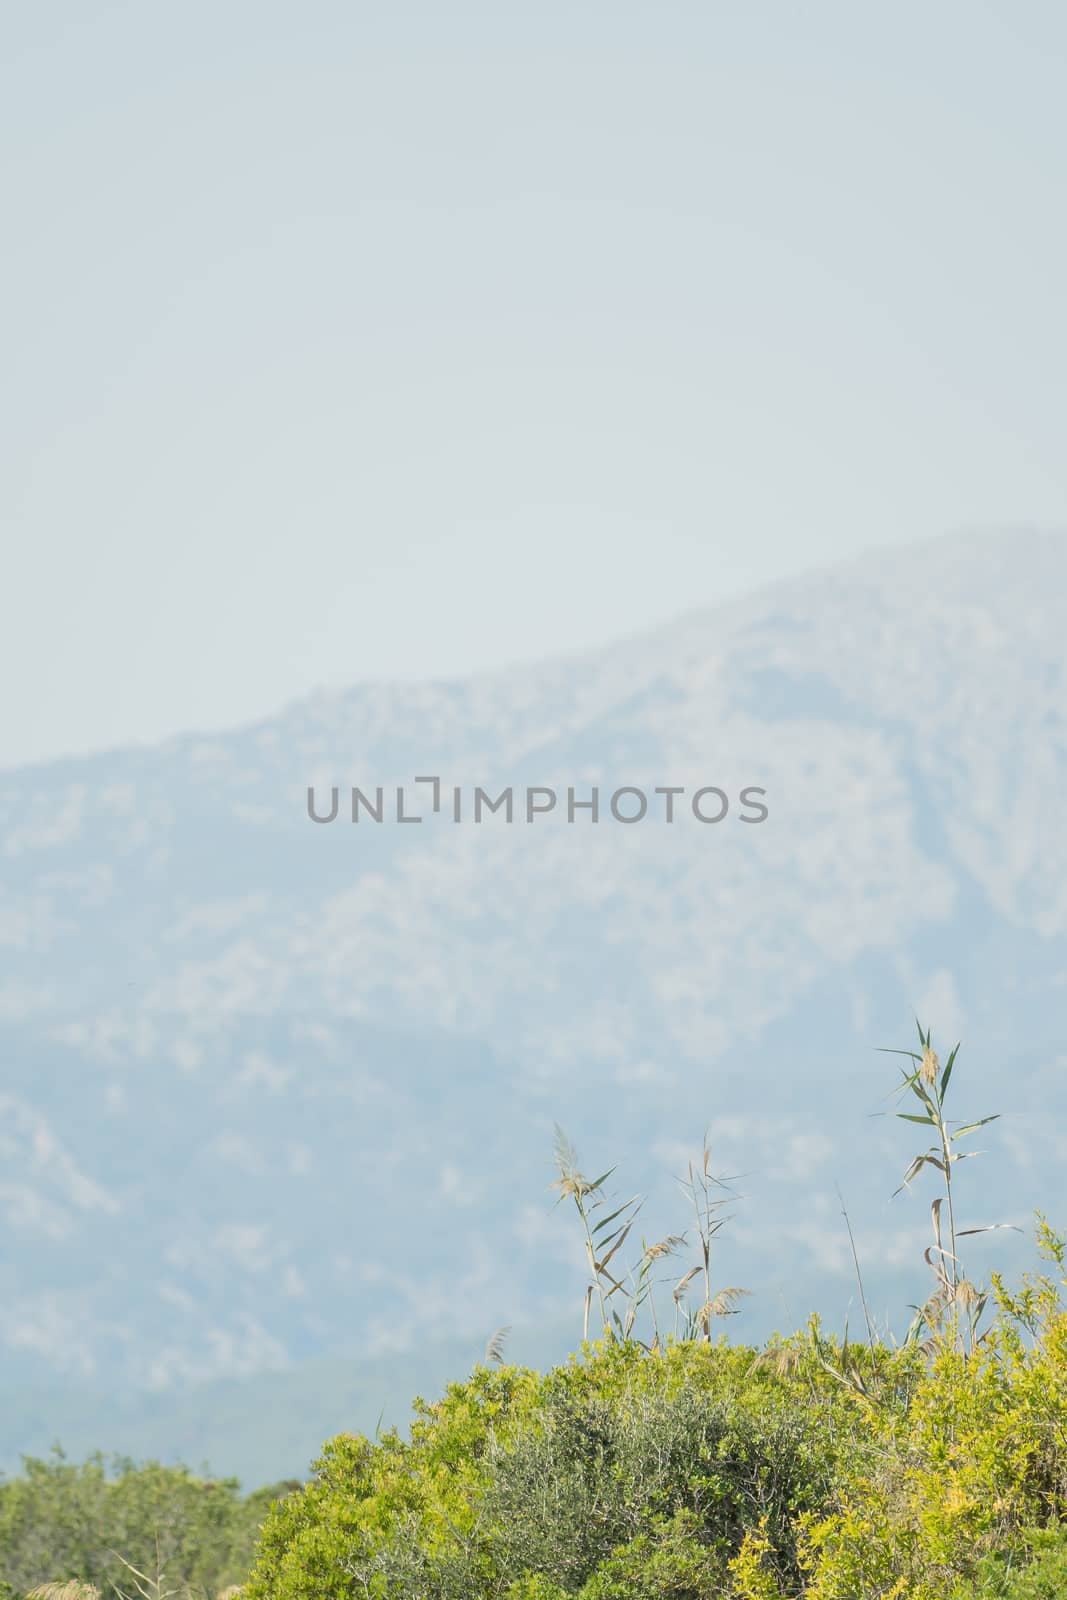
(350, 341)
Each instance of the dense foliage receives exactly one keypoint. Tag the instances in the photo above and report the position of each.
(698, 1472)
(61, 1521)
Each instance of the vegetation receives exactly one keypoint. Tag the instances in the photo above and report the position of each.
(706, 1471)
(69, 1531)
(661, 1462)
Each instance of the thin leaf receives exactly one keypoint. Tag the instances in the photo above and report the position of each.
(614, 1214)
(616, 1247)
(946, 1075)
(971, 1126)
(935, 1217)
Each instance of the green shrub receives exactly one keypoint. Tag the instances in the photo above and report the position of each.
(670, 1561)
(1039, 1574)
(61, 1521)
(617, 1462)
(697, 1472)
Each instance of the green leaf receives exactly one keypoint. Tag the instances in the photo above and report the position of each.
(947, 1073)
(971, 1126)
(616, 1242)
(602, 1225)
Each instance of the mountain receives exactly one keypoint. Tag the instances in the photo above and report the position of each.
(276, 1093)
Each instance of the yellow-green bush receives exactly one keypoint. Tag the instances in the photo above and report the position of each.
(620, 1473)
(966, 1471)
(699, 1472)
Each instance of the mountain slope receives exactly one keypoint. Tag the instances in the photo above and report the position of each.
(272, 1091)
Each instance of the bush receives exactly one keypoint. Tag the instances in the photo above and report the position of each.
(616, 1471)
(700, 1472)
(61, 1521)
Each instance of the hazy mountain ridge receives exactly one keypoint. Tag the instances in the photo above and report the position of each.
(273, 1091)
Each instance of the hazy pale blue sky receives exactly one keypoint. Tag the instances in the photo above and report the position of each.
(347, 341)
